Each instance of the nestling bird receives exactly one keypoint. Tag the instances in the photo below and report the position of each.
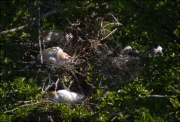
(53, 55)
(65, 96)
(154, 51)
(56, 35)
(127, 50)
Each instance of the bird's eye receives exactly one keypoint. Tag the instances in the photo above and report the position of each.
(66, 56)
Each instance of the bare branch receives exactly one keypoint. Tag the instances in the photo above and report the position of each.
(40, 48)
(47, 88)
(50, 117)
(56, 84)
(31, 23)
(118, 24)
(109, 34)
(70, 84)
(10, 111)
(158, 96)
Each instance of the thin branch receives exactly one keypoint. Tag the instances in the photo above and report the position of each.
(47, 88)
(109, 34)
(118, 23)
(158, 96)
(11, 111)
(26, 102)
(43, 88)
(56, 84)
(70, 84)
(115, 116)
(39, 38)
(31, 23)
(50, 117)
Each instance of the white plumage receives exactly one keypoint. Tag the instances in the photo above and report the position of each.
(65, 96)
(159, 49)
(56, 35)
(153, 52)
(54, 55)
(126, 50)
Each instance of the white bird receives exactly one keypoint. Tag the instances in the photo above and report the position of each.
(154, 51)
(56, 35)
(54, 55)
(127, 50)
(65, 96)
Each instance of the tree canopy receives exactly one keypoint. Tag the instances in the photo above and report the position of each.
(116, 87)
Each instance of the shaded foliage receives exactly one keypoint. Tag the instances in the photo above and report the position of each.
(152, 94)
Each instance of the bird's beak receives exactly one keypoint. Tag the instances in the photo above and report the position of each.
(70, 57)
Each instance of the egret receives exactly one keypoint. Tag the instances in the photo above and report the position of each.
(65, 96)
(56, 35)
(127, 50)
(154, 51)
(53, 55)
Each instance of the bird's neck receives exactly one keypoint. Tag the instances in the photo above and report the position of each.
(60, 55)
(52, 93)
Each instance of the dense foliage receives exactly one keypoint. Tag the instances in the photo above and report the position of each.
(152, 96)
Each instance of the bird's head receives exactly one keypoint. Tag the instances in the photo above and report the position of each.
(159, 48)
(63, 55)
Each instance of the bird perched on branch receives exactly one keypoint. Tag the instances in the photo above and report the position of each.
(155, 51)
(65, 96)
(53, 55)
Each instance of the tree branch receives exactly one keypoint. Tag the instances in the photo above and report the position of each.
(11, 111)
(30, 23)
(117, 24)
(158, 96)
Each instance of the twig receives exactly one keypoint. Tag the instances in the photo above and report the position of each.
(75, 76)
(56, 84)
(50, 117)
(25, 102)
(115, 116)
(70, 84)
(112, 23)
(118, 24)
(73, 24)
(44, 84)
(46, 89)
(109, 34)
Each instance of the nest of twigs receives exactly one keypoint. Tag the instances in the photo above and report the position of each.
(92, 59)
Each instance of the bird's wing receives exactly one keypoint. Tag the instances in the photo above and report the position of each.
(53, 50)
(69, 96)
(63, 96)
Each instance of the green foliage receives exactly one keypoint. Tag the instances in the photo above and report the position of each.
(89, 73)
(18, 90)
(145, 24)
